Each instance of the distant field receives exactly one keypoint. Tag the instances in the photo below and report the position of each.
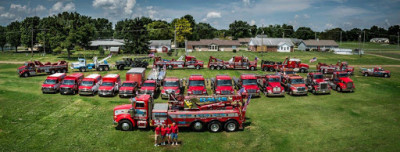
(368, 46)
(367, 120)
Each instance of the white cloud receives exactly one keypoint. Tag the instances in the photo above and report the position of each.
(328, 26)
(306, 16)
(7, 15)
(246, 2)
(296, 16)
(213, 15)
(345, 11)
(40, 8)
(60, 7)
(113, 8)
(19, 8)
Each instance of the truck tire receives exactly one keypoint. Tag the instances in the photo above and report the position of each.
(252, 68)
(52, 71)
(106, 68)
(170, 67)
(302, 70)
(266, 69)
(212, 67)
(80, 69)
(198, 67)
(214, 126)
(219, 68)
(231, 126)
(386, 75)
(101, 69)
(224, 67)
(338, 89)
(271, 69)
(198, 126)
(365, 74)
(121, 67)
(84, 70)
(125, 125)
(26, 74)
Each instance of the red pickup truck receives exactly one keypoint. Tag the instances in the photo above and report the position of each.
(70, 84)
(271, 85)
(171, 85)
(110, 85)
(52, 83)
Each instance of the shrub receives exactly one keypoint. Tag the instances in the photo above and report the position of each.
(234, 50)
(101, 50)
(78, 48)
(57, 50)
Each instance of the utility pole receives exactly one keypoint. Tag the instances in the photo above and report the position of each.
(283, 34)
(315, 35)
(32, 42)
(340, 37)
(262, 38)
(364, 39)
(175, 38)
(398, 36)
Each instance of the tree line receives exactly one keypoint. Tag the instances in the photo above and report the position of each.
(73, 31)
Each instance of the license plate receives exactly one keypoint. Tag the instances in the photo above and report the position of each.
(125, 95)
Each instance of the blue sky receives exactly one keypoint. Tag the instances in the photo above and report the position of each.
(317, 14)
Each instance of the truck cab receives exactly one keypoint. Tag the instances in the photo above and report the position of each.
(128, 89)
(296, 64)
(52, 83)
(196, 85)
(295, 85)
(248, 82)
(171, 85)
(341, 82)
(344, 66)
(70, 84)
(90, 85)
(110, 85)
(317, 84)
(271, 86)
(149, 87)
(192, 62)
(222, 85)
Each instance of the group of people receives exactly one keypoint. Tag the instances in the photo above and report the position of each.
(166, 135)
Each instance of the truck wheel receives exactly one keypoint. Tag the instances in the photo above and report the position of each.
(214, 126)
(338, 89)
(302, 71)
(219, 68)
(198, 67)
(100, 68)
(26, 74)
(212, 67)
(64, 71)
(224, 67)
(80, 69)
(385, 75)
(106, 68)
(125, 125)
(84, 70)
(231, 126)
(291, 92)
(170, 67)
(252, 68)
(365, 74)
(314, 91)
(52, 71)
(266, 69)
(197, 126)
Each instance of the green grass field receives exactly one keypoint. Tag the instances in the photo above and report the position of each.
(367, 120)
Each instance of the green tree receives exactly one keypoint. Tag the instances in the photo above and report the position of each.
(159, 30)
(183, 29)
(3, 39)
(14, 34)
(304, 33)
(103, 28)
(240, 29)
(203, 31)
(29, 25)
(135, 36)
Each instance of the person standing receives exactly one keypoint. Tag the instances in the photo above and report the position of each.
(174, 134)
(163, 133)
(169, 131)
(157, 135)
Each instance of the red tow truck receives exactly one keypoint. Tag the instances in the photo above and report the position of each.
(36, 67)
(270, 65)
(149, 87)
(52, 83)
(90, 85)
(270, 85)
(110, 85)
(249, 84)
(377, 72)
(341, 82)
(317, 84)
(183, 62)
(196, 85)
(134, 78)
(171, 85)
(339, 66)
(295, 85)
(214, 112)
(70, 84)
(222, 85)
(295, 64)
(236, 62)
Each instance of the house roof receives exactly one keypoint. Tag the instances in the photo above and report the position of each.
(270, 41)
(114, 49)
(106, 42)
(211, 41)
(244, 40)
(320, 43)
(160, 42)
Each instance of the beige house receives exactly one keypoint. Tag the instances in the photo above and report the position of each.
(212, 45)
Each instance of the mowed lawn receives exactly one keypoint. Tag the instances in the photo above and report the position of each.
(367, 120)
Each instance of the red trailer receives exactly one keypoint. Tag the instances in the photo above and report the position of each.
(236, 62)
(212, 112)
(36, 67)
(183, 62)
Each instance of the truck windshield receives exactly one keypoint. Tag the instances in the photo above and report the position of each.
(343, 75)
(148, 84)
(297, 81)
(49, 81)
(69, 82)
(318, 76)
(249, 82)
(273, 79)
(87, 83)
(196, 83)
(107, 84)
(127, 84)
(224, 82)
(171, 83)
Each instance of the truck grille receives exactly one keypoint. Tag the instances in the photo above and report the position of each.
(276, 89)
(65, 89)
(252, 91)
(225, 92)
(197, 92)
(349, 85)
(323, 86)
(301, 89)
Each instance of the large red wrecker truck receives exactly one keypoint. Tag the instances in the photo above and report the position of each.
(196, 85)
(197, 112)
(134, 78)
(248, 84)
(52, 83)
(294, 85)
(171, 85)
(377, 72)
(110, 85)
(90, 85)
(270, 65)
(295, 64)
(339, 66)
(183, 62)
(222, 85)
(341, 82)
(36, 67)
(270, 85)
(317, 84)
(236, 62)
(70, 84)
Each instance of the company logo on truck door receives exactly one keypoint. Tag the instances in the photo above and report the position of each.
(204, 115)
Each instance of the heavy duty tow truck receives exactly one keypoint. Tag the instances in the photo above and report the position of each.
(36, 67)
(236, 62)
(183, 62)
(101, 65)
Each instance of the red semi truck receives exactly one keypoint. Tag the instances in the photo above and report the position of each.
(222, 85)
(171, 85)
(341, 82)
(183, 62)
(236, 62)
(70, 84)
(295, 64)
(295, 85)
(134, 78)
(196, 85)
(249, 84)
(317, 84)
(90, 85)
(52, 83)
(213, 112)
(110, 85)
(36, 67)
(270, 85)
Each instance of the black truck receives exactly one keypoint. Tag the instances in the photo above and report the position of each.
(136, 62)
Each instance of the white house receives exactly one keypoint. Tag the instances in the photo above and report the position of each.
(160, 46)
(271, 44)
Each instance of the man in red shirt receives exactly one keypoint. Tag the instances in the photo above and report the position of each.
(174, 133)
(157, 135)
(163, 133)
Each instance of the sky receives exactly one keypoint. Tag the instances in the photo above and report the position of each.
(319, 15)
